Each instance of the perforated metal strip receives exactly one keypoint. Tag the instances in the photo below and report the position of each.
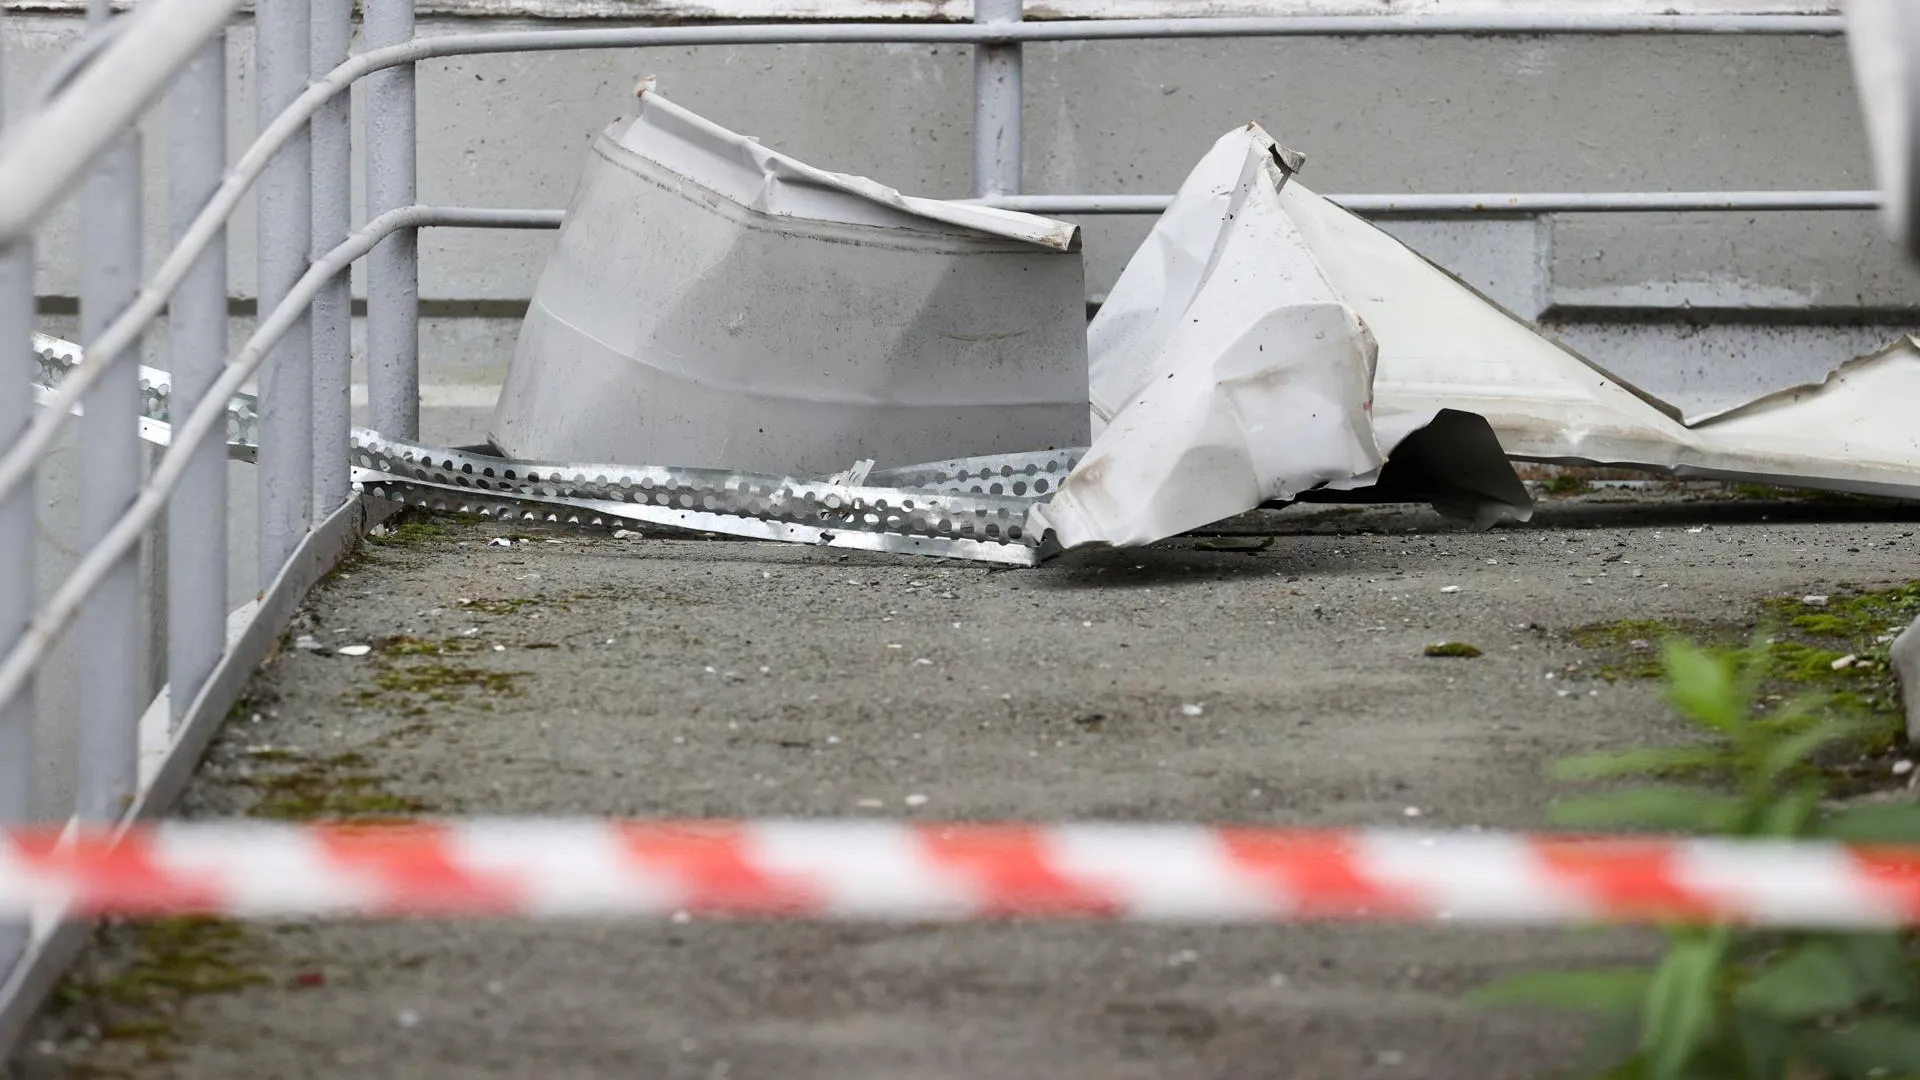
(971, 508)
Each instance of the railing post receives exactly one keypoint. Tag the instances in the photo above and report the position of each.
(110, 692)
(16, 554)
(333, 308)
(393, 269)
(197, 335)
(283, 50)
(996, 105)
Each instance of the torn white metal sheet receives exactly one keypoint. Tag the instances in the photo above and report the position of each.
(715, 303)
(1443, 345)
(1227, 371)
(1224, 370)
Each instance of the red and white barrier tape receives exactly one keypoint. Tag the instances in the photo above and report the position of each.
(887, 870)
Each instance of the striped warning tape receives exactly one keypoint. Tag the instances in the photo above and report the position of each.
(890, 870)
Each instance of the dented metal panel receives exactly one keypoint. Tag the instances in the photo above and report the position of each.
(714, 303)
(1442, 345)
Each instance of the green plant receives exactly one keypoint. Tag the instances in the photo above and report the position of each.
(1723, 1002)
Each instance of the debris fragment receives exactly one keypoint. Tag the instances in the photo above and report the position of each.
(499, 541)
(903, 309)
(1443, 345)
(354, 650)
(1845, 662)
(1192, 709)
(1449, 588)
(308, 643)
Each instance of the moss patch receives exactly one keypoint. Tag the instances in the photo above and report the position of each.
(444, 682)
(505, 606)
(1630, 648)
(342, 786)
(133, 991)
(1567, 485)
(1452, 648)
(1832, 653)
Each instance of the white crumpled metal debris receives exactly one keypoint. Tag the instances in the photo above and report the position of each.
(1442, 345)
(1224, 371)
(1227, 371)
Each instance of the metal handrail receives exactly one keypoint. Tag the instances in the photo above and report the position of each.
(43, 155)
(124, 77)
(208, 416)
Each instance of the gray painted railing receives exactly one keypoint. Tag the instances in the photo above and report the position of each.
(83, 128)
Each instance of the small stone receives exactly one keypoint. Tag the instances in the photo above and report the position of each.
(1183, 958)
(354, 650)
(1701, 529)
(496, 987)
(408, 1018)
(1902, 767)
(1814, 601)
(922, 660)
(1411, 811)
(496, 648)
(916, 800)
(629, 534)
(499, 541)
(1390, 1057)
(680, 917)
(1276, 980)
(1450, 588)
(308, 643)
(1192, 709)
(1845, 662)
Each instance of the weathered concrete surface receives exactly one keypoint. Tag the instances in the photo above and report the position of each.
(680, 677)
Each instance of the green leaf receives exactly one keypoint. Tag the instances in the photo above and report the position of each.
(1874, 825)
(1792, 751)
(1606, 990)
(1880, 960)
(1880, 1046)
(1702, 686)
(1789, 816)
(1641, 762)
(1679, 1014)
(1650, 808)
(1763, 1045)
(1814, 979)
